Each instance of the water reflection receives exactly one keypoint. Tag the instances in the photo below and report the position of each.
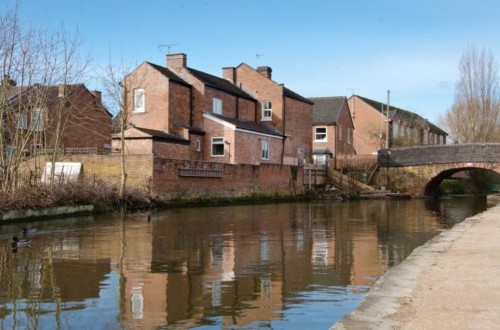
(275, 266)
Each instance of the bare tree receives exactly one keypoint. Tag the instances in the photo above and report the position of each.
(475, 113)
(117, 87)
(31, 61)
(70, 70)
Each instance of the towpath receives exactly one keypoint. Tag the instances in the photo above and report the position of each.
(452, 282)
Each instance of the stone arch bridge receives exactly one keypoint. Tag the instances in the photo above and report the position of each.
(420, 170)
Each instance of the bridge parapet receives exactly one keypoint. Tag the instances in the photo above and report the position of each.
(440, 154)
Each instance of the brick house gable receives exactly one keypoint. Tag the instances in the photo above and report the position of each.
(87, 122)
(332, 128)
(405, 127)
(279, 107)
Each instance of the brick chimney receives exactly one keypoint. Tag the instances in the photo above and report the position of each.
(265, 71)
(229, 73)
(97, 95)
(176, 62)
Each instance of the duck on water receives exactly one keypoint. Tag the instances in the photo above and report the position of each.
(16, 242)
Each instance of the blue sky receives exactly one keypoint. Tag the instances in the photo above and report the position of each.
(316, 48)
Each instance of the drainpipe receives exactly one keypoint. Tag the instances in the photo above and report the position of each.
(256, 108)
(238, 104)
(191, 106)
(284, 131)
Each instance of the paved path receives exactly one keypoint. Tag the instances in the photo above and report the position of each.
(452, 282)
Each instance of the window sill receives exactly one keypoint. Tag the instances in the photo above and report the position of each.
(266, 119)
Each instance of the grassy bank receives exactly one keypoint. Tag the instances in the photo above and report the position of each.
(104, 197)
(98, 193)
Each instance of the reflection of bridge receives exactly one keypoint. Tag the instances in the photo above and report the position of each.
(429, 165)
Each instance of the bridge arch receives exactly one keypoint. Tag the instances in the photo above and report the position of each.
(430, 164)
(431, 189)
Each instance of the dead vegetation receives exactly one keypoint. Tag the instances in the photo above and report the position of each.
(102, 195)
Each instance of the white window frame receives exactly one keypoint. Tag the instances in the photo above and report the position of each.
(340, 132)
(37, 120)
(267, 110)
(265, 150)
(139, 95)
(349, 135)
(217, 141)
(198, 145)
(21, 121)
(217, 106)
(316, 133)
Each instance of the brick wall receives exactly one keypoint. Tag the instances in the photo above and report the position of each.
(344, 146)
(298, 124)
(156, 99)
(88, 125)
(179, 107)
(368, 124)
(264, 90)
(237, 180)
(249, 149)
(107, 168)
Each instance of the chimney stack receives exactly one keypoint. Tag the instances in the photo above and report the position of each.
(177, 62)
(229, 73)
(97, 95)
(265, 71)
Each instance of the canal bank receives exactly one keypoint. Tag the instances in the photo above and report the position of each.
(451, 282)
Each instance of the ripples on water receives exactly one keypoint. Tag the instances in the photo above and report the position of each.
(276, 266)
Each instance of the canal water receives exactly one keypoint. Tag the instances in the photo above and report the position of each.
(273, 266)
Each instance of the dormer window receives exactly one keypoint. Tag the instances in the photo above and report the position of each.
(217, 106)
(267, 110)
(139, 100)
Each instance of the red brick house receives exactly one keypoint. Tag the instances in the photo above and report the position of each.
(278, 107)
(194, 115)
(405, 128)
(36, 112)
(332, 128)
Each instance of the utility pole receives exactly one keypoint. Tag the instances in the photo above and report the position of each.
(387, 120)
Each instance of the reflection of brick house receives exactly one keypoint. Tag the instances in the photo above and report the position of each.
(332, 128)
(183, 113)
(36, 112)
(405, 128)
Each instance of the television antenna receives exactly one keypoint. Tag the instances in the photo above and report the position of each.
(258, 56)
(168, 47)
